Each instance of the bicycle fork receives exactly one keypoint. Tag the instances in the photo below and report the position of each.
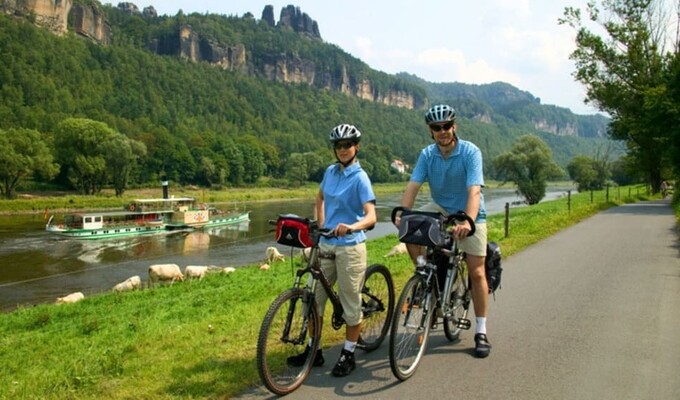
(449, 307)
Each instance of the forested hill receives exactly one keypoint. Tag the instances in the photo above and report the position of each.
(220, 99)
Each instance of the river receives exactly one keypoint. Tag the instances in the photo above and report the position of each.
(36, 267)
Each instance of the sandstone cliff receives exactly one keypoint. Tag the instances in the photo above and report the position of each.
(49, 14)
(89, 21)
(54, 15)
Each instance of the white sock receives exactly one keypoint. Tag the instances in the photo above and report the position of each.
(310, 343)
(350, 346)
(481, 325)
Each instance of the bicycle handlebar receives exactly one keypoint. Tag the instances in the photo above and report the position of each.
(327, 232)
(448, 220)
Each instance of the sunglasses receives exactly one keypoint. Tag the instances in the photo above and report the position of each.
(438, 128)
(343, 145)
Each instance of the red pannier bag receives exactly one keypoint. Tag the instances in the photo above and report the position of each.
(292, 230)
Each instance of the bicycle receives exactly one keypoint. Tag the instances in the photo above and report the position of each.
(420, 302)
(291, 319)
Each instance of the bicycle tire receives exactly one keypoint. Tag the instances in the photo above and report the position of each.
(410, 328)
(272, 350)
(377, 299)
(457, 306)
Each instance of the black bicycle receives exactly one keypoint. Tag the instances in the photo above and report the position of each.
(439, 288)
(293, 318)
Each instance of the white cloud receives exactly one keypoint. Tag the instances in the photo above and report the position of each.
(364, 47)
(512, 9)
(445, 65)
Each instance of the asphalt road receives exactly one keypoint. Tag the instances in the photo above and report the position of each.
(593, 312)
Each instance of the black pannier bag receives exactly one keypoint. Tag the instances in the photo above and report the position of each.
(493, 266)
(292, 230)
(422, 228)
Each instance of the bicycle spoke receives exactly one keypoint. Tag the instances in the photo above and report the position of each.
(377, 305)
(410, 329)
(285, 333)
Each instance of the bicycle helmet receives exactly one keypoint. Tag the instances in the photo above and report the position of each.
(345, 132)
(440, 113)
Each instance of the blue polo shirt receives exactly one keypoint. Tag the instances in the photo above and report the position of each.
(449, 179)
(345, 191)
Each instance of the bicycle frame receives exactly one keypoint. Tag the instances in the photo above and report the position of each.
(317, 275)
(454, 267)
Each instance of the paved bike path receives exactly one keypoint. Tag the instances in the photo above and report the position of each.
(592, 312)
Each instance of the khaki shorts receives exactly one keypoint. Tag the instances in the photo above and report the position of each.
(474, 245)
(348, 269)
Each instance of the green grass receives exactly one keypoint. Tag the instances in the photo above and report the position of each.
(198, 339)
(54, 202)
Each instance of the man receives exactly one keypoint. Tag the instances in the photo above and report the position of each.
(453, 170)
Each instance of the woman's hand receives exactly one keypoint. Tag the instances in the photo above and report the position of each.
(342, 230)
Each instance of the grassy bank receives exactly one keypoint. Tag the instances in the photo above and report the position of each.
(54, 202)
(38, 202)
(197, 339)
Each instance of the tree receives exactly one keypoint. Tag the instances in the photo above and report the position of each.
(529, 165)
(582, 171)
(296, 168)
(591, 173)
(24, 154)
(121, 155)
(625, 76)
(93, 155)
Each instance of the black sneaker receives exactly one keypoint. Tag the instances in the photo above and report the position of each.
(482, 345)
(299, 360)
(345, 364)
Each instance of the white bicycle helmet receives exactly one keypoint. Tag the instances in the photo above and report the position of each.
(345, 132)
(440, 113)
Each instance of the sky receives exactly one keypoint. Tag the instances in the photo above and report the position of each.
(475, 42)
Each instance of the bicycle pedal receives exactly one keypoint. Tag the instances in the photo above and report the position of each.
(464, 323)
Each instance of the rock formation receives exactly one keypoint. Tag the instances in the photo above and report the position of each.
(291, 17)
(49, 14)
(91, 22)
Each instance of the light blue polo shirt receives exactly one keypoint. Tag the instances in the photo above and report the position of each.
(345, 192)
(449, 179)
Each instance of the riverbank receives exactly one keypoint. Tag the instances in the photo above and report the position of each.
(230, 198)
(199, 336)
(36, 203)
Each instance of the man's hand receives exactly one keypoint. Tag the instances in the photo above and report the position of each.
(461, 231)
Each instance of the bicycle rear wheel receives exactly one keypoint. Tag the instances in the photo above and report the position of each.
(285, 332)
(410, 328)
(457, 306)
(377, 301)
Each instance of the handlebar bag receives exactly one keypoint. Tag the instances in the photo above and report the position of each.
(421, 229)
(292, 230)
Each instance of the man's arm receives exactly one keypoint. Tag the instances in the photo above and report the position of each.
(410, 193)
(471, 209)
(472, 206)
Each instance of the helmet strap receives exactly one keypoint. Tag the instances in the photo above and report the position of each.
(351, 160)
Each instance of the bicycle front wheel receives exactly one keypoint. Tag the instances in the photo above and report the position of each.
(285, 332)
(377, 300)
(457, 307)
(410, 328)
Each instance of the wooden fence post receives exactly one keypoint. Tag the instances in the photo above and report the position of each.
(507, 219)
(569, 201)
(606, 197)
